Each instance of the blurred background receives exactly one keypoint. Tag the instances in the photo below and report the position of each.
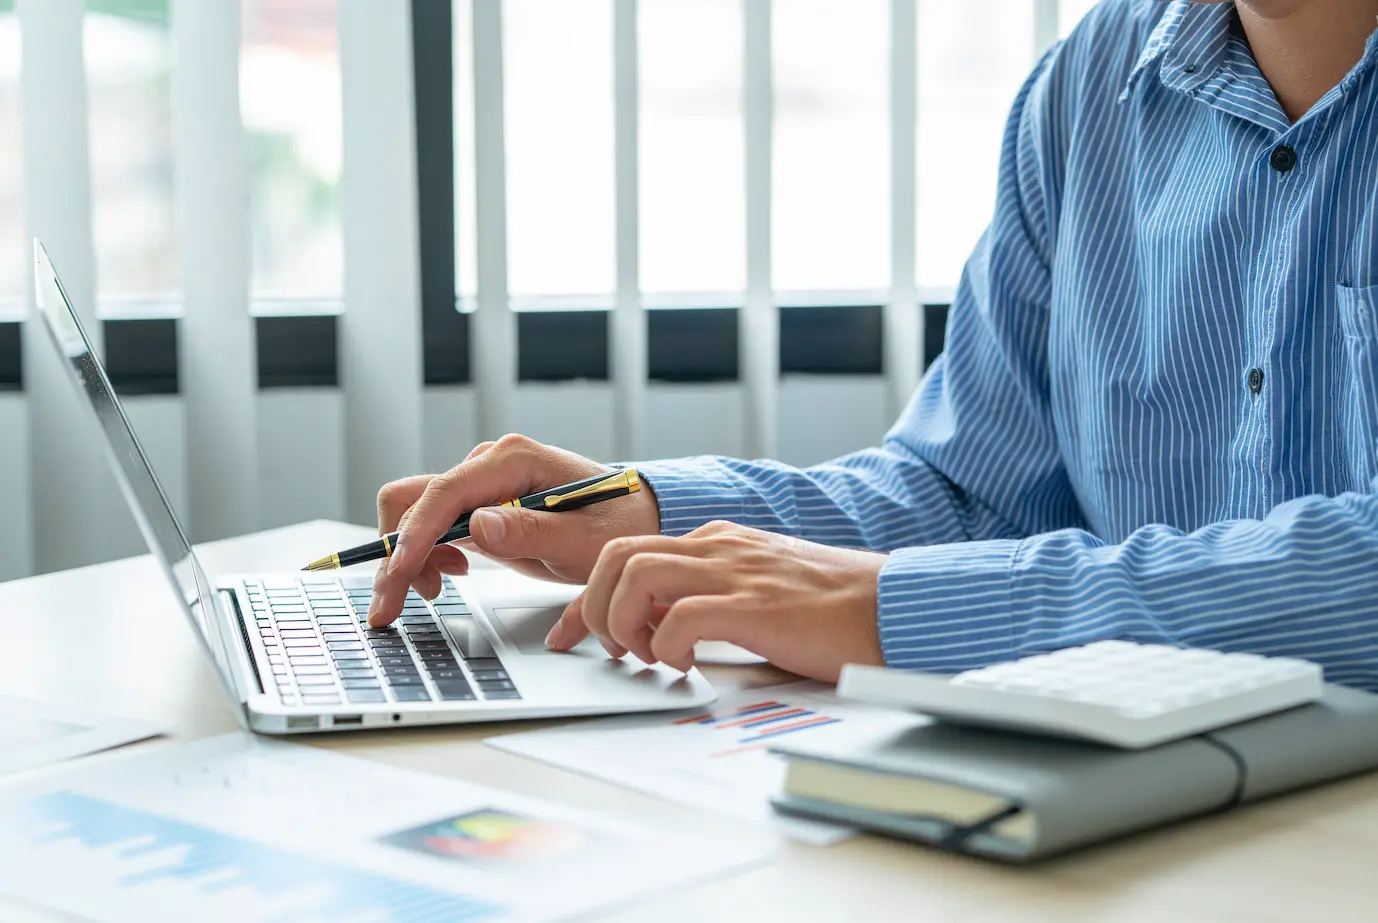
(324, 243)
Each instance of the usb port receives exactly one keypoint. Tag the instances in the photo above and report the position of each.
(348, 720)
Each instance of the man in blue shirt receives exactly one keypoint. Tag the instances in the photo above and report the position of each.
(1156, 417)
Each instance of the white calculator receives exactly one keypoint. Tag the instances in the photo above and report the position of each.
(1114, 692)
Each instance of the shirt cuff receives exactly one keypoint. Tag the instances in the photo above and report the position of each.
(947, 608)
(692, 492)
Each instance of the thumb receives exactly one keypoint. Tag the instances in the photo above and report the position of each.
(513, 532)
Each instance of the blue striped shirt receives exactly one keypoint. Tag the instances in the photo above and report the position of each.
(1157, 414)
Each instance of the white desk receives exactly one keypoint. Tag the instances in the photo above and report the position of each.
(110, 637)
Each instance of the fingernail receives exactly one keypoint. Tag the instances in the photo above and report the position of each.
(489, 526)
(396, 553)
(556, 636)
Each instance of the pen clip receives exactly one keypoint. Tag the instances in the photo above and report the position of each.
(627, 479)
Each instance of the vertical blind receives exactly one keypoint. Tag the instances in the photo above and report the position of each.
(235, 190)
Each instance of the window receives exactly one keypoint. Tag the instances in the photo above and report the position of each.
(14, 254)
(557, 77)
(127, 47)
(1071, 12)
(289, 97)
(973, 57)
(831, 198)
(692, 158)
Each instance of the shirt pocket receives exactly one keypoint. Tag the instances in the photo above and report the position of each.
(1357, 312)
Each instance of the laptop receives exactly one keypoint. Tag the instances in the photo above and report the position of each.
(294, 651)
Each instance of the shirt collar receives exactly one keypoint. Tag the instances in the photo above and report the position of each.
(1189, 44)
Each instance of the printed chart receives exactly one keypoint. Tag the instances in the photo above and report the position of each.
(239, 829)
(715, 758)
(758, 723)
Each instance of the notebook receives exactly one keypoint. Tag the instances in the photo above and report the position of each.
(1017, 797)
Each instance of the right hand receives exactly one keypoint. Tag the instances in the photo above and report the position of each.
(562, 547)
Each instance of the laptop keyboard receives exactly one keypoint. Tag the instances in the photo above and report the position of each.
(322, 652)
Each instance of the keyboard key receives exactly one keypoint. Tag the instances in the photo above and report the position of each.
(298, 633)
(487, 675)
(280, 669)
(341, 656)
(342, 620)
(431, 646)
(362, 683)
(484, 663)
(357, 674)
(457, 694)
(305, 656)
(267, 632)
(412, 694)
(405, 679)
(365, 696)
(346, 645)
(301, 642)
(315, 681)
(311, 670)
(448, 663)
(440, 675)
(400, 659)
(496, 686)
(418, 637)
(496, 695)
(426, 619)
(405, 669)
(382, 633)
(294, 623)
(317, 699)
(335, 634)
(441, 656)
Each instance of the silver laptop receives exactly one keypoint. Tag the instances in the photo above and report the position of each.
(294, 651)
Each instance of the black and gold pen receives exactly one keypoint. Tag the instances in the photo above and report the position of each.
(556, 500)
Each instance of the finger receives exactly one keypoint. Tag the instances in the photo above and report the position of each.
(449, 560)
(429, 582)
(396, 497)
(509, 533)
(570, 629)
(479, 449)
(650, 583)
(607, 572)
(691, 620)
(383, 610)
(496, 475)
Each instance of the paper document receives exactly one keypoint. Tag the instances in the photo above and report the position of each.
(236, 828)
(33, 734)
(713, 758)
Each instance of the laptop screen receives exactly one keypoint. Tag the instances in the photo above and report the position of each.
(164, 534)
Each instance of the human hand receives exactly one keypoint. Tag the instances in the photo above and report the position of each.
(804, 607)
(550, 546)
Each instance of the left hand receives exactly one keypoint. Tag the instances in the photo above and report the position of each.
(806, 608)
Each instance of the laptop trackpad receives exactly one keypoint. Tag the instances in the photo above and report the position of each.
(527, 627)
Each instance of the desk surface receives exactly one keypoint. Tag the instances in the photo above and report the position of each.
(110, 636)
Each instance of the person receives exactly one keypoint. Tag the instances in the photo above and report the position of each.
(1156, 417)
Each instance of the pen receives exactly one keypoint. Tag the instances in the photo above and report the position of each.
(555, 500)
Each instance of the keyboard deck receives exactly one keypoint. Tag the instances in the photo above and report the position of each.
(322, 652)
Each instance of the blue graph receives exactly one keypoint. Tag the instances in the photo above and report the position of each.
(220, 861)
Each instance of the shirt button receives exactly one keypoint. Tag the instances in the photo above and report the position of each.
(1283, 158)
(1255, 380)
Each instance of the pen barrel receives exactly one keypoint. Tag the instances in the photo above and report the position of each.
(369, 551)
